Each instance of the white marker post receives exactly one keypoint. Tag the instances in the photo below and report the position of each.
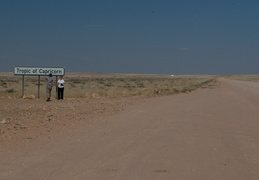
(37, 71)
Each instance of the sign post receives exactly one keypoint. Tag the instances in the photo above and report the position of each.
(37, 71)
(38, 87)
(22, 85)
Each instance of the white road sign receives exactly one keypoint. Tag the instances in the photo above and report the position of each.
(39, 71)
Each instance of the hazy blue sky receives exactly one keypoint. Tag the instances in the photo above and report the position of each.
(131, 36)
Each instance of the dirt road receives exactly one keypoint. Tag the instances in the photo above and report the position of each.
(204, 135)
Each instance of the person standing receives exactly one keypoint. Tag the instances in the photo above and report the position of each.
(49, 86)
(60, 83)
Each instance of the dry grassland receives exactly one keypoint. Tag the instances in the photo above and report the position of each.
(87, 96)
(83, 85)
(254, 78)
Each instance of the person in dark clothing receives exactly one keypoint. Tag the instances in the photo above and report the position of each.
(49, 86)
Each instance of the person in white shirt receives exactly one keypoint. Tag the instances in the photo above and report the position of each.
(60, 84)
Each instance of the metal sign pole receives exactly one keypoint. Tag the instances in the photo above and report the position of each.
(38, 87)
(22, 85)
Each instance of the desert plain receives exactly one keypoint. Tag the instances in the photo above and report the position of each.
(130, 126)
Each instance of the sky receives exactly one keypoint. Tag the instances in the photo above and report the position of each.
(131, 36)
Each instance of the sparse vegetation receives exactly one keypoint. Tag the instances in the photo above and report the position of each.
(80, 85)
(10, 91)
(254, 77)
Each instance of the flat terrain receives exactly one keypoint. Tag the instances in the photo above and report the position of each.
(209, 133)
(94, 85)
(87, 97)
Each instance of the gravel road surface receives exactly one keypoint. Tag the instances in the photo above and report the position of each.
(209, 134)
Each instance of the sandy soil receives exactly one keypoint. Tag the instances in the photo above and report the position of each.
(205, 134)
(25, 119)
